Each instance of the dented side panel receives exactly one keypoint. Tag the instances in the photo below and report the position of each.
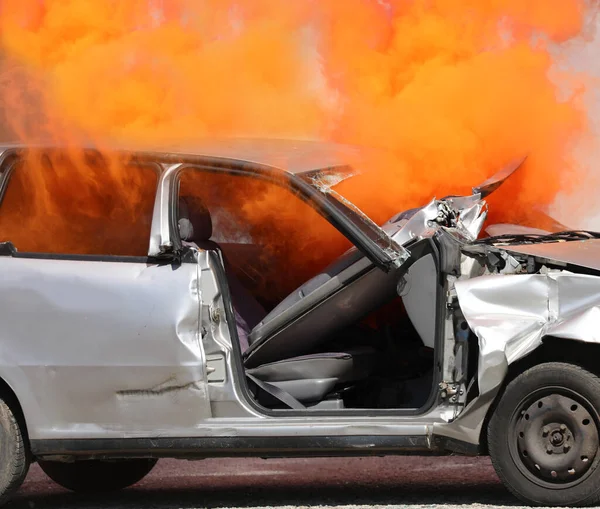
(511, 315)
(96, 348)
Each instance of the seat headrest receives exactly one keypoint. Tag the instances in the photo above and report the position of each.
(195, 223)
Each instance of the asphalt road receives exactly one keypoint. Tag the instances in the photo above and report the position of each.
(364, 482)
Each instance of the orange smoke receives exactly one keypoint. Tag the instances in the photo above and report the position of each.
(71, 203)
(451, 89)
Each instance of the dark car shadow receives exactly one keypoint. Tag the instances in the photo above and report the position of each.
(302, 484)
(249, 497)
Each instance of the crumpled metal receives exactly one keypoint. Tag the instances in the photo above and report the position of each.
(511, 314)
(465, 214)
(471, 219)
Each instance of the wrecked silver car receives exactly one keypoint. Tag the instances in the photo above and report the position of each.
(157, 345)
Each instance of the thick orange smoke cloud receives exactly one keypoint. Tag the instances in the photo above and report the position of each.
(451, 89)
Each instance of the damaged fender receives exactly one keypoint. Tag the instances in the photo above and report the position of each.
(511, 315)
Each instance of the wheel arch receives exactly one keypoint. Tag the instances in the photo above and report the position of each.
(552, 349)
(8, 394)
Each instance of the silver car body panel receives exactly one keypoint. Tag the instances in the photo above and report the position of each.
(131, 356)
(511, 314)
(94, 347)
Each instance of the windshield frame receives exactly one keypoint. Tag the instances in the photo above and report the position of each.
(324, 180)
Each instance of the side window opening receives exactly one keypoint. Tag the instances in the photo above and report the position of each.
(60, 203)
(274, 240)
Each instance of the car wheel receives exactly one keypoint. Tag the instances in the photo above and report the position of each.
(543, 436)
(97, 476)
(14, 461)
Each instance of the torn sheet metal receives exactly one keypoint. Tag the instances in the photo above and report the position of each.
(403, 229)
(465, 214)
(470, 219)
(495, 181)
(511, 314)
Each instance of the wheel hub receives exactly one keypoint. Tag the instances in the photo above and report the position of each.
(557, 438)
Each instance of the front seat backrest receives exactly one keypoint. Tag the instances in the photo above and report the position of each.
(186, 228)
(196, 224)
(344, 293)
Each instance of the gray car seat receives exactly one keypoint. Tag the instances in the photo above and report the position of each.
(308, 378)
(346, 291)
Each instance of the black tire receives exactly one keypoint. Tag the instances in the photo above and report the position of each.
(97, 476)
(543, 436)
(14, 460)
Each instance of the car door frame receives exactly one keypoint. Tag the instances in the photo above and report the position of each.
(168, 244)
(165, 241)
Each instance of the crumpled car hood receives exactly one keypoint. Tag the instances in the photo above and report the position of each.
(512, 309)
(463, 214)
(583, 253)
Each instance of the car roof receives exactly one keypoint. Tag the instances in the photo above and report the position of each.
(294, 156)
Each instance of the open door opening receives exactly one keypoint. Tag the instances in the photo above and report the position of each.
(347, 340)
(350, 337)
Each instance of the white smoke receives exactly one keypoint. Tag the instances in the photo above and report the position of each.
(580, 208)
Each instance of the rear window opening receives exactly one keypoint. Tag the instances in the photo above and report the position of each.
(73, 204)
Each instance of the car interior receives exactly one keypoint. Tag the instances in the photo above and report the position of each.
(344, 339)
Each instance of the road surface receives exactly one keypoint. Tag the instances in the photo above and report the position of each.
(365, 482)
